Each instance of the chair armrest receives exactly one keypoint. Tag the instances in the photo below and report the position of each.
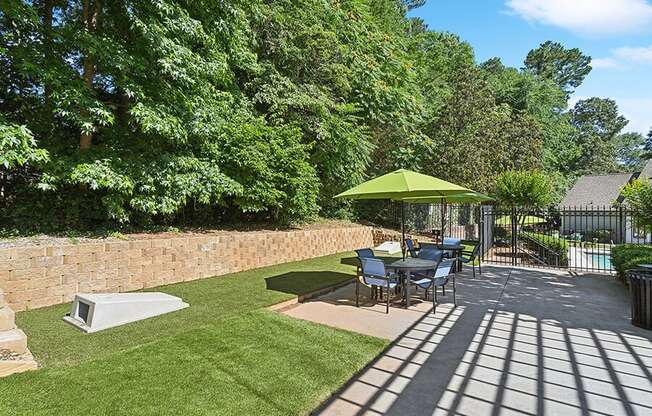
(389, 278)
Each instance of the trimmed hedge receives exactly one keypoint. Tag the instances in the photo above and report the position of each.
(628, 256)
(552, 242)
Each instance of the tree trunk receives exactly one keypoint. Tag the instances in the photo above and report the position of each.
(122, 111)
(90, 19)
(47, 57)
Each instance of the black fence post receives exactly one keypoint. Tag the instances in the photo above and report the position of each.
(514, 241)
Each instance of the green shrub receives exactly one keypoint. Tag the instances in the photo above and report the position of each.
(602, 236)
(552, 242)
(638, 195)
(628, 256)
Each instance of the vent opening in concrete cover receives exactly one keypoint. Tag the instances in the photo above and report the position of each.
(92, 312)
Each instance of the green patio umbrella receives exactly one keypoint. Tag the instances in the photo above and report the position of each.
(401, 185)
(463, 198)
(527, 220)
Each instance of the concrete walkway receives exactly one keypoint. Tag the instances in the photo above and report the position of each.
(520, 342)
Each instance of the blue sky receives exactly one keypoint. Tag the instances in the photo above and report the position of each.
(617, 34)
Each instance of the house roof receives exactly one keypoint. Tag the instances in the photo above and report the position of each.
(596, 190)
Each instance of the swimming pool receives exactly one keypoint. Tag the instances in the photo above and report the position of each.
(600, 261)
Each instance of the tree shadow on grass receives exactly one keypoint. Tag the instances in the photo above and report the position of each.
(301, 283)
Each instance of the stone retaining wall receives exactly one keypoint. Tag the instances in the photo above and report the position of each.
(37, 276)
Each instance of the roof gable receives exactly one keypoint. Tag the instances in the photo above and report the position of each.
(596, 190)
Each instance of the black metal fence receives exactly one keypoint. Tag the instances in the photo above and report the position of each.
(575, 238)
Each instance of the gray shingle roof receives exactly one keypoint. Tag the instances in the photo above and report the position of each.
(596, 190)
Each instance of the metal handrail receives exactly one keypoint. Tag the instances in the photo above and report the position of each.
(526, 237)
(556, 255)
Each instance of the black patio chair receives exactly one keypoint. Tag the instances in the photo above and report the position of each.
(375, 275)
(409, 243)
(438, 277)
(470, 257)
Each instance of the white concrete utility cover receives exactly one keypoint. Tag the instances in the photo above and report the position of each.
(92, 312)
(389, 247)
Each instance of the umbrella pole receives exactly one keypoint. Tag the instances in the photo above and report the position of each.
(403, 228)
(443, 222)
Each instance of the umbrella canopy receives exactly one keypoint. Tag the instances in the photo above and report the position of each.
(463, 198)
(402, 184)
(527, 220)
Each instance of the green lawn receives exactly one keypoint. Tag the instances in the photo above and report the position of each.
(225, 354)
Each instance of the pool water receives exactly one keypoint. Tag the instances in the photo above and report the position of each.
(600, 261)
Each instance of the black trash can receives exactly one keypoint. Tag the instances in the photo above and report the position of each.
(640, 288)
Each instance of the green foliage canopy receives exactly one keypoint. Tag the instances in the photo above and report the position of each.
(523, 188)
(629, 151)
(638, 197)
(597, 124)
(164, 112)
(566, 67)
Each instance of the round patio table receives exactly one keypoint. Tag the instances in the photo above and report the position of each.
(411, 265)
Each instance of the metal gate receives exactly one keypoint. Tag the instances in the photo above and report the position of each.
(574, 238)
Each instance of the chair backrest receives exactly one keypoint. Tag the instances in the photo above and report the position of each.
(410, 246)
(450, 241)
(473, 253)
(476, 251)
(431, 253)
(364, 253)
(444, 268)
(373, 267)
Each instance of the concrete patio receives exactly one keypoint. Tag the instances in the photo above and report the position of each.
(520, 342)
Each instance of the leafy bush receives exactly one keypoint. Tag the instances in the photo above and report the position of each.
(556, 244)
(603, 236)
(18, 147)
(638, 197)
(523, 188)
(261, 171)
(628, 256)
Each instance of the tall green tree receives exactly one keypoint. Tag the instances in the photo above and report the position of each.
(629, 151)
(544, 102)
(597, 123)
(552, 61)
(647, 146)
(413, 4)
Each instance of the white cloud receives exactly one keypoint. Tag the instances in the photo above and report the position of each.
(625, 58)
(588, 17)
(609, 63)
(639, 55)
(639, 113)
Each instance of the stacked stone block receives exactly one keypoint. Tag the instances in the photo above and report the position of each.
(14, 355)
